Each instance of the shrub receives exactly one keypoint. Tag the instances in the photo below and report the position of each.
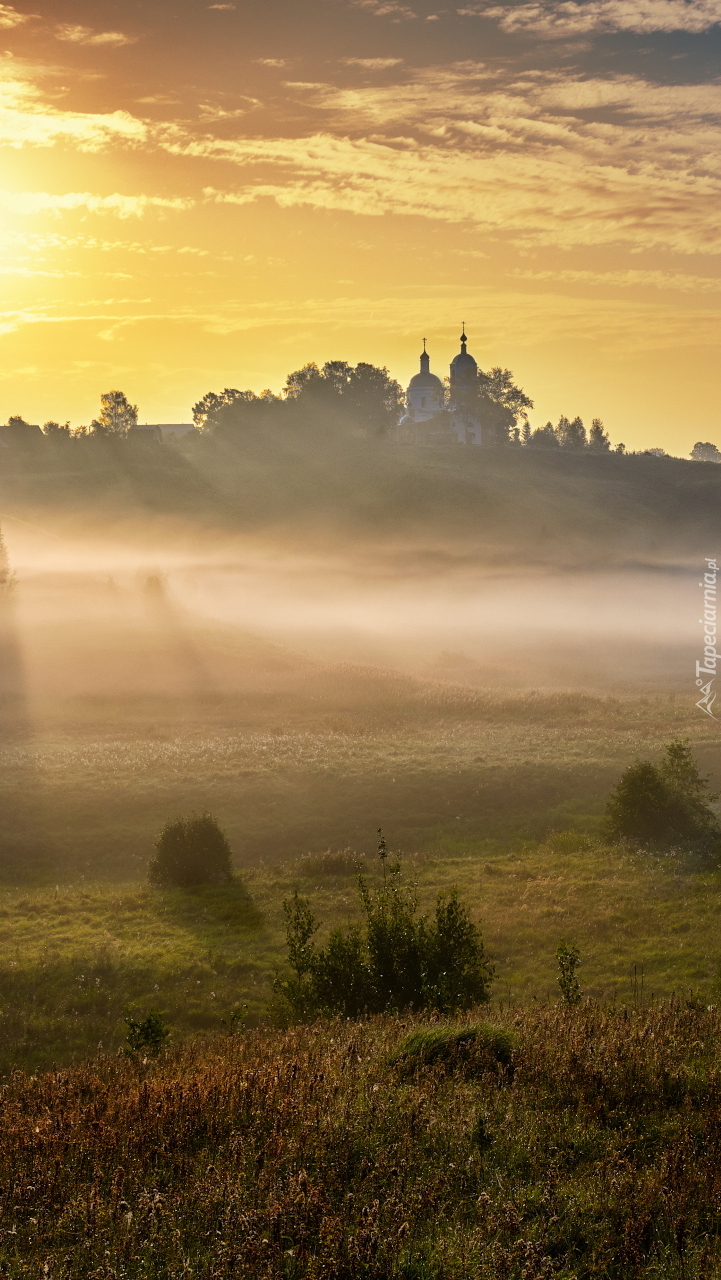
(476, 1048)
(396, 960)
(568, 959)
(147, 1036)
(664, 805)
(191, 851)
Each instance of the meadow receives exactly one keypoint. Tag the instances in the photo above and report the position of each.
(79, 958)
(498, 795)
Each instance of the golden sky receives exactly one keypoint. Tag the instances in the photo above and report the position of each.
(201, 195)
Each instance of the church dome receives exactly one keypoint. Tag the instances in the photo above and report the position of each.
(463, 366)
(425, 397)
(425, 380)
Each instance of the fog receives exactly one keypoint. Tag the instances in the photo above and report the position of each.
(92, 615)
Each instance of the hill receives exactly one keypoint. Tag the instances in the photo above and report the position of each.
(491, 504)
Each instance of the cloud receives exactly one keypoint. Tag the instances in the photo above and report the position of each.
(85, 35)
(385, 9)
(537, 158)
(372, 64)
(272, 62)
(26, 119)
(631, 279)
(569, 18)
(526, 161)
(209, 111)
(9, 17)
(221, 6)
(35, 202)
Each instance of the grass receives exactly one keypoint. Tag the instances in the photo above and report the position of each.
(78, 957)
(302, 1155)
(472, 1049)
(85, 791)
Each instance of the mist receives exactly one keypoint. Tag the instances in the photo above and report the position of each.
(453, 645)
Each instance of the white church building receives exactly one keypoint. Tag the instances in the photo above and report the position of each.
(439, 415)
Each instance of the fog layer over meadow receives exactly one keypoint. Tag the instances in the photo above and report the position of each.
(92, 615)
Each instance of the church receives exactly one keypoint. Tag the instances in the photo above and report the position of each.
(439, 415)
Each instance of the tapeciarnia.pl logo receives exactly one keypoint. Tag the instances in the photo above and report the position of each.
(710, 656)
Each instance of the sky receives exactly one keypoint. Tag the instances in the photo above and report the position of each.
(196, 196)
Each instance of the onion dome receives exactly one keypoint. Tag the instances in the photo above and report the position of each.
(463, 366)
(425, 380)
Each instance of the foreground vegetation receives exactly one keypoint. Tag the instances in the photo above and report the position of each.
(323, 1152)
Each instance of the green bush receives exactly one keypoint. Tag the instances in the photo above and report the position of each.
(476, 1049)
(191, 851)
(664, 805)
(147, 1036)
(396, 960)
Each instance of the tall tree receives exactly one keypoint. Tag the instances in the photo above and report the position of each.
(571, 435)
(117, 415)
(598, 438)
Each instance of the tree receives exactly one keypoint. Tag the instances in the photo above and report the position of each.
(544, 437)
(56, 431)
(212, 402)
(191, 851)
(117, 415)
(571, 435)
(397, 959)
(365, 396)
(705, 452)
(664, 805)
(498, 385)
(598, 440)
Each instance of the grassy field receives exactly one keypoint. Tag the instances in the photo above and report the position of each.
(476, 790)
(78, 958)
(315, 760)
(309, 1155)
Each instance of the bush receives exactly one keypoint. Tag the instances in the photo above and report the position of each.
(147, 1036)
(664, 805)
(191, 851)
(396, 960)
(476, 1048)
(568, 959)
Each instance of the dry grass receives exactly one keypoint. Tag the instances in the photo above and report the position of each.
(304, 1154)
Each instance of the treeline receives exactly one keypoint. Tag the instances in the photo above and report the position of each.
(339, 398)
(336, 401)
